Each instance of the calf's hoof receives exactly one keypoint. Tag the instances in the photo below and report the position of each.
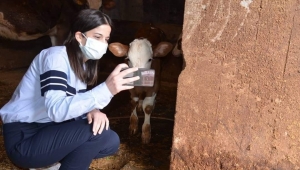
(133, 127)
(146, 133)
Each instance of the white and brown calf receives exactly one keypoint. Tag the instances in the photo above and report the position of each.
(140, 53)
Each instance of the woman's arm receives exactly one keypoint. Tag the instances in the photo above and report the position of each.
(61, 107)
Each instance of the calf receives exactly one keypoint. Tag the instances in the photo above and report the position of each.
(31, 19)
(140, 53)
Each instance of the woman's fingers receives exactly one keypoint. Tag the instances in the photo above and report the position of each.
(99, 120)
(96, 126)
(128, 71)
(129, 80)
(119, 68)
(89, 118)
(126, 83)
(102, 124)
(107, 123)
(116, 81)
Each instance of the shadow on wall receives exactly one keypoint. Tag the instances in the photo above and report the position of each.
(18, 54)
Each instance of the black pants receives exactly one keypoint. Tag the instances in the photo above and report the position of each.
(72, 143)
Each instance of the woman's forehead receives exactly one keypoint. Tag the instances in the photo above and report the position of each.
(102, 29)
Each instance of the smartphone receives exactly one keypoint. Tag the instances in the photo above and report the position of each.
(146, 77)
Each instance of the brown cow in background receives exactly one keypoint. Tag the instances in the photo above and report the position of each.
(30, 19)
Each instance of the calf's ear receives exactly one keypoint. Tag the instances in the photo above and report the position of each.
(162, 49)
(118, 49)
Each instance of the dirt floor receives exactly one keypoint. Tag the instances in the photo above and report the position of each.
(133, 154)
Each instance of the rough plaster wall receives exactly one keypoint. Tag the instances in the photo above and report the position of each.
(238, 96)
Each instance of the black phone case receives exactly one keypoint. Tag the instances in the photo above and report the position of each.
(146, 77)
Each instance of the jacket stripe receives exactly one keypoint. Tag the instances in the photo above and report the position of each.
(56, 80)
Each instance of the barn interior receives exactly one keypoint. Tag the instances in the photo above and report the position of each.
(128, 17)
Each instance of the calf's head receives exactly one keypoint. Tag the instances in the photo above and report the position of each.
(140, 52)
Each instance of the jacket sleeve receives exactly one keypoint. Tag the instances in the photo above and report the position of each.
(61, 107)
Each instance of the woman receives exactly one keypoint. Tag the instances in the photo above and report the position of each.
(51, 117)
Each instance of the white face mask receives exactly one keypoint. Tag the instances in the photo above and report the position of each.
(93, 49)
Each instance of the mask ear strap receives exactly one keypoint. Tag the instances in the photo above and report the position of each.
(84, 36)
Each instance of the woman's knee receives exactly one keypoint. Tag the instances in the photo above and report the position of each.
(111, 145)
(115, 140)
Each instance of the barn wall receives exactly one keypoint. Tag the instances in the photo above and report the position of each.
(159, 11)
(164, 14)
(238, 96)
(18, 54)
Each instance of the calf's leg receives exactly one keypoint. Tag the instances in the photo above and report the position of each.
(133, 127)
(148, 107)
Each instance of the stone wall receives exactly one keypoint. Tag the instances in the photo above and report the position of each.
(238, 96)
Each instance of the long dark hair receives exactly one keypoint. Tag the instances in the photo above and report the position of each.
(86, 20)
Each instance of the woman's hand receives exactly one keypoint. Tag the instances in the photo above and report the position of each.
(115, 80)
(99, 120)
